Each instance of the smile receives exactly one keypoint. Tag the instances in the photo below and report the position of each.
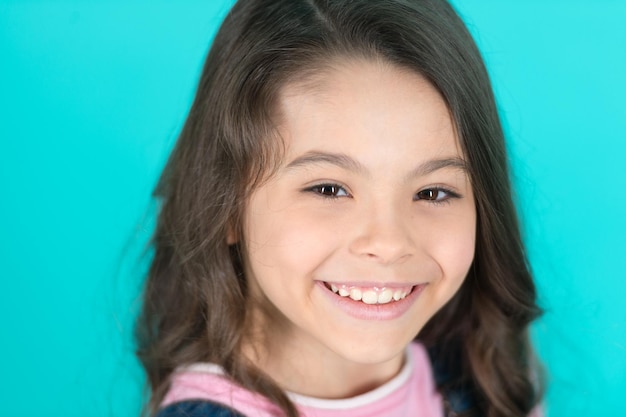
(370, 295)
(372, 302)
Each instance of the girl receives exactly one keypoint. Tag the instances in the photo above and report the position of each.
(336, 233)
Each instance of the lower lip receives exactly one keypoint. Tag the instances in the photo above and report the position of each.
(362, 311)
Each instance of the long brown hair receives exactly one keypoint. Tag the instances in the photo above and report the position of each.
(195, 298)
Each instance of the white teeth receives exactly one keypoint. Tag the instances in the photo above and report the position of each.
(355, 294)
(370, 297)
(385, 296)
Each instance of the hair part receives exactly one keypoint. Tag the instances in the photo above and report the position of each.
(196, 298)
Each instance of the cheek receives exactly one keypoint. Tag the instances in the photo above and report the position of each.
(457, 250)
(452, 246)
(288, 239)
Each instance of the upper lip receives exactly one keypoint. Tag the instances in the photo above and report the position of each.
(377, 284)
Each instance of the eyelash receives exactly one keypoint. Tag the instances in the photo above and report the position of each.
(449, 194)
(317, 189)
(334, 189)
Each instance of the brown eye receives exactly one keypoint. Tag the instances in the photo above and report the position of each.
(435, 195)
(430, 194)
(329, 190)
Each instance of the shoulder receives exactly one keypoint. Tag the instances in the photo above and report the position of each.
(202, 390)
(197, 408)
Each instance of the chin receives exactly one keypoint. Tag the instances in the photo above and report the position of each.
(373, 351)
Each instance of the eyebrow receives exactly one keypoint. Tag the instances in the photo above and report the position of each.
(338, 159)
(433, 165)
(345, 162)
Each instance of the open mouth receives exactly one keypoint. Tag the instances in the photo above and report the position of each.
(370, 295)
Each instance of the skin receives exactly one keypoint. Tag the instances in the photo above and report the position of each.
(381, 213)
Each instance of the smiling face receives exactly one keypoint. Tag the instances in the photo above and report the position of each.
(364, 232)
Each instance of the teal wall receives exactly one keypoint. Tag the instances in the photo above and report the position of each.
(92, 95)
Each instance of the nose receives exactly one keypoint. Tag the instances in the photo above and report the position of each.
(383, 236)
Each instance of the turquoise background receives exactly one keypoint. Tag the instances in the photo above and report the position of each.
(92, 95)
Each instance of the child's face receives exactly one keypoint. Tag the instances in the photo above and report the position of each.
(371, 197)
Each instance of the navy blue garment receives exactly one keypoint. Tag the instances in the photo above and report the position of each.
(459, 400)
(197, 408)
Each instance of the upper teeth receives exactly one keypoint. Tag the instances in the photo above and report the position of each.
(371, 295)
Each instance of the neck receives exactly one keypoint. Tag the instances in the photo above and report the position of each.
(306, 368)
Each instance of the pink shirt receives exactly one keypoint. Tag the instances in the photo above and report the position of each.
(412, 392)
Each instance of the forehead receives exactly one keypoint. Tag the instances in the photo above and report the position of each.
(357, 104)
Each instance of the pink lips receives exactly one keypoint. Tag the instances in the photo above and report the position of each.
(362, 311)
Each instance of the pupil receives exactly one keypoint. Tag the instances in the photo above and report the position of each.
(329, 190)
(429, 194)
